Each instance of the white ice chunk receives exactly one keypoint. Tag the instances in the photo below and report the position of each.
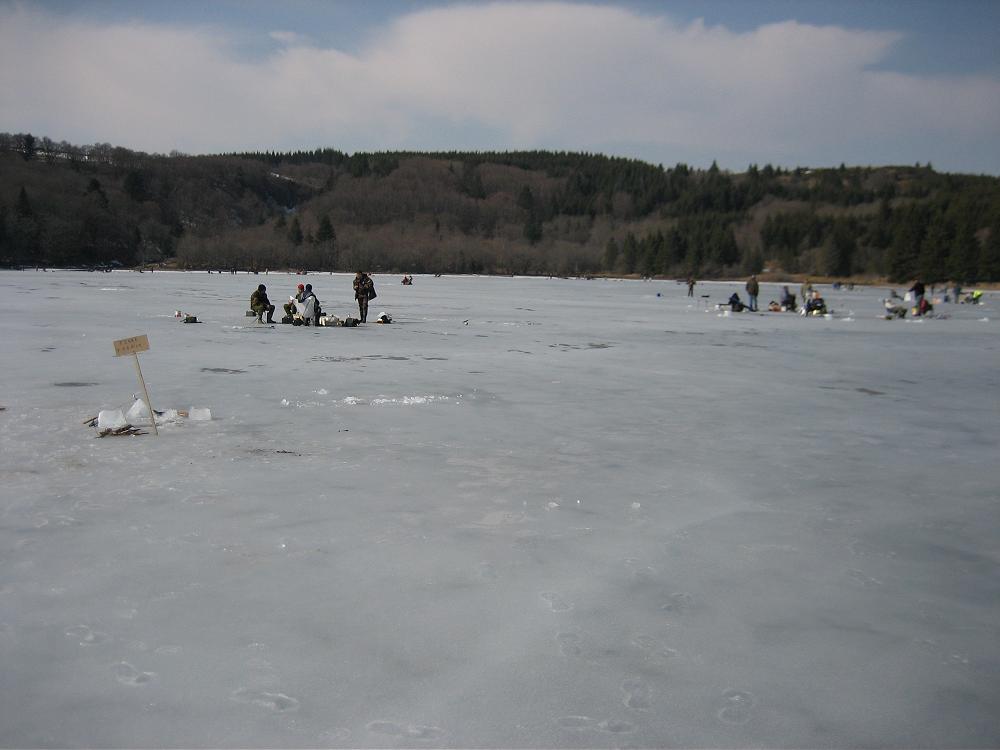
(199, 415)
(138, 412)
(110, 419)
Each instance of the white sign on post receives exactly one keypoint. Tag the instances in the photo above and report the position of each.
(133, 346)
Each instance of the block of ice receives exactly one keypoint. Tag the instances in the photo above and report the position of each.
(138, 412)
(110, 419)
(199, 415)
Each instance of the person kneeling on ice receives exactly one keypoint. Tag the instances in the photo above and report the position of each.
(816, 305)
(923, 307)
(787, 300)
(260, 304)
(735, 304)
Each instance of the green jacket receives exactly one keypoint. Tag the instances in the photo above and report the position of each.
(259, 298)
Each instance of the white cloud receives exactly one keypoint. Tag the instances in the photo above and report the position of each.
(544, 74)
(286, 37)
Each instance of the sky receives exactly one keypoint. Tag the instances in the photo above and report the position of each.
(802, 83)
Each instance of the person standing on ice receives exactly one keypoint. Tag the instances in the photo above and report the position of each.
(691, 283)
(364, 290)
(260, 304)
(918, 294)
(753, 289)
(805, 291)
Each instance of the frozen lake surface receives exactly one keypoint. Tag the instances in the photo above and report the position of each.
(529, 513)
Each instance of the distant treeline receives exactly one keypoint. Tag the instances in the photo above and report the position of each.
(538, 212)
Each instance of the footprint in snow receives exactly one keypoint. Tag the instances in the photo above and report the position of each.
(126, 674)
(86, 636)
(556, 602)
(585, 723)
(273, 701)
(569, 644)
(636, 694)
(416, 732)
(736, 707)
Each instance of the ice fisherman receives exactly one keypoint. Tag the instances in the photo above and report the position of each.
(816, 305)
(690, 283)
(364, 291)
(289, 306)
(918, 293)
(313, 311)
(260, 304)
(805, 291)
(787, 300)
(753, 289)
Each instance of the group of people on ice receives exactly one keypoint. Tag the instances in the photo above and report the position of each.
(917, 304)
(812, 302)
(303, 308)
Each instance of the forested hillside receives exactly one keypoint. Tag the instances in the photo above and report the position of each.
(535, 212)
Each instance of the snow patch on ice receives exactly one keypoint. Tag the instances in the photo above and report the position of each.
(407, 400)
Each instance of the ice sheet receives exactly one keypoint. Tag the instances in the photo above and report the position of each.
(528, 513)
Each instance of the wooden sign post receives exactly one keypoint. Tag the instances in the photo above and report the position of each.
(133, 346)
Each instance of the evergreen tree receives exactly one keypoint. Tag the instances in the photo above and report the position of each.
(135, 186)
(611, 253)
(630, 253)
(648, 265)
(325, 232)
(23, 209)
(964, 260)
(753, 262)
(932, 262)
(675, 250)
(533, 228)
(326, 239)
(525, 199)
(838, 250)
(24, 232)
(95, 188)
(295, 232)
(472, 183)
(725, 251)
(989, 258)
(907, 236)
(28, 146)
